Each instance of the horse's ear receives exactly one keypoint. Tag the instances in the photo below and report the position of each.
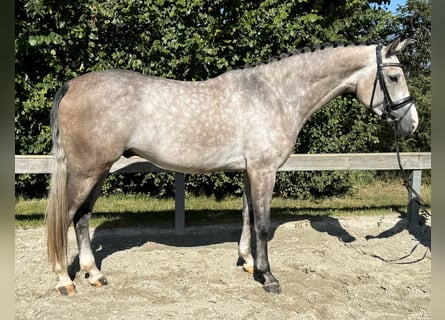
(396, 46)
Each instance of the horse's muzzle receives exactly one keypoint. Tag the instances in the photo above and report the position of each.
(409, 122)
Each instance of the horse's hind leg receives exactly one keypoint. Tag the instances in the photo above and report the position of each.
(244, 247)
(82, 191)
(81, 225)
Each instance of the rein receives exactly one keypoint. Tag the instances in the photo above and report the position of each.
(389, 105)
(389, 108)
(416, 198)
(406, 183)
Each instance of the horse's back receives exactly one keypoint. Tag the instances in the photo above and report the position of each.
(191, 126)
(177, 124)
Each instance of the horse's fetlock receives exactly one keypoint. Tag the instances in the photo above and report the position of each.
(86, 262)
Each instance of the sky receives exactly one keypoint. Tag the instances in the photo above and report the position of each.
(394, 3)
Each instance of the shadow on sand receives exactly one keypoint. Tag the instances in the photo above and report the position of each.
(421, 232)
(108, 239)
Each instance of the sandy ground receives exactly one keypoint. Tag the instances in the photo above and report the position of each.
(367, 267)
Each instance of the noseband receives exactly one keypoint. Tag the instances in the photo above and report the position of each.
(389, 106)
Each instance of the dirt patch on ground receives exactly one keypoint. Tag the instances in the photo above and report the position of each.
(367, 267)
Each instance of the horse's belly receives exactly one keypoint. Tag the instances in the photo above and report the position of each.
(194, 161)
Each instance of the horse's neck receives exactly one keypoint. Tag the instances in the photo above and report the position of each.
(306, 82)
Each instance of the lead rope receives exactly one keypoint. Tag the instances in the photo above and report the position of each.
(397, 260)
(421, 204)
(406, 182)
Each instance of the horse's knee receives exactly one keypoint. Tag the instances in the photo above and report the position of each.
(262, 230)
(264, 233)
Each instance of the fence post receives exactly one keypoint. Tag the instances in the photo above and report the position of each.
(179, 203)
(415, 179)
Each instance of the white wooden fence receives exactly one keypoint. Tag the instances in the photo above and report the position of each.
(414, 162)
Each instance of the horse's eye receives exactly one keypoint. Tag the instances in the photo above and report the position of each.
(394, 78)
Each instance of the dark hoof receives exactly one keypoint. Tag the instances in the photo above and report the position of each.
(100, 282)
(68, 290)
(273, 287)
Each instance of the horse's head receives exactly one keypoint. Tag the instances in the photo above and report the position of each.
(383, 88)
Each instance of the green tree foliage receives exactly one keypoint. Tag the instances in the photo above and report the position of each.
(188, 40)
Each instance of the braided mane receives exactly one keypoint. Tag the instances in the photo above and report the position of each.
(303, 50)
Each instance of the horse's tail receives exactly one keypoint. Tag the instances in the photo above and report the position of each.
(56, 216)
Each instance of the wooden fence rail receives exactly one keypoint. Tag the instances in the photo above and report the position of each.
(414, 162)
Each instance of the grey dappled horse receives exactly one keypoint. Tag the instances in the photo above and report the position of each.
(245, 120)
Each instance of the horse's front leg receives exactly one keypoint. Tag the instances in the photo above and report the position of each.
(244, 247)
(86, 257)
(261, 185)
